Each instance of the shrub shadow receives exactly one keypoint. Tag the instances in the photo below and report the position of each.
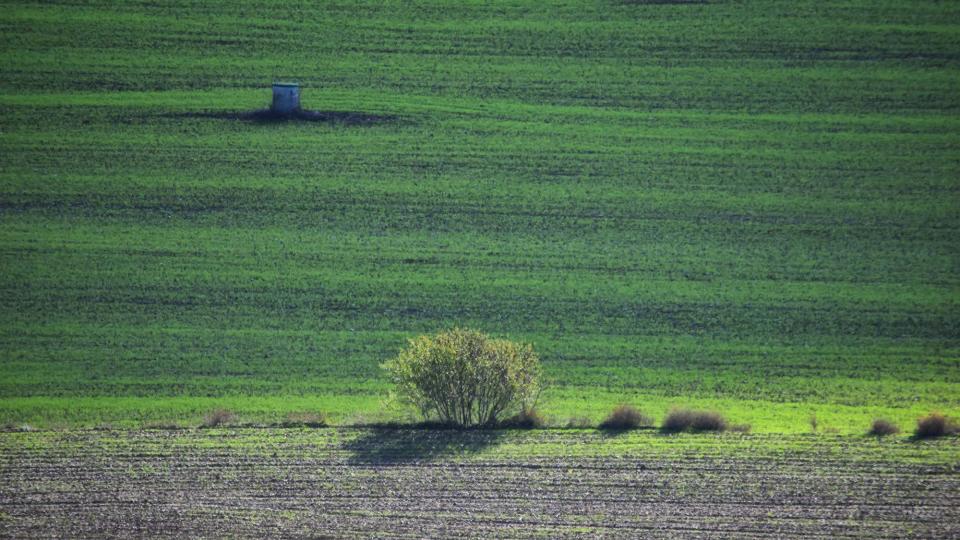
(397, 445)
(662, 2)
(613, 432)
(267, 116)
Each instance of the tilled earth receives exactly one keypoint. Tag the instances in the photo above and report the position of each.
(350, 483)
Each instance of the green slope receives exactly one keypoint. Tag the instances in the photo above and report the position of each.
(743, 205)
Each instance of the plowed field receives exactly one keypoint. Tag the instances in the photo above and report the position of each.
(409, 483)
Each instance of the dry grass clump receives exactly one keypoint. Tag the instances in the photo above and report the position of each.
(678, 420)
(305, 419)
(691, 420)
(528, 418)
(708, 421)
(624, 417)
(935, 425)
(217, 417)
(882, 428)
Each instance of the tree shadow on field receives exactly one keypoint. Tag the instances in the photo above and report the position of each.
(662, 2)
(396, 445)
(267, 116)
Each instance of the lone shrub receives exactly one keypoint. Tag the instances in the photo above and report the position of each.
(217, 417)
(882, 428)
(690, 420)
(935, 425)
(624, 417)
(464, 378)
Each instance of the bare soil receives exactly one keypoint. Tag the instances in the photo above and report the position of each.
(261, 483)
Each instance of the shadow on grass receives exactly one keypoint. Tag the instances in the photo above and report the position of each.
(397, 445)
(611, 432)
(662, 2)
(267, 116)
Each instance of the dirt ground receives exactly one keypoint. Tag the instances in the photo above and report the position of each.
(406, 483)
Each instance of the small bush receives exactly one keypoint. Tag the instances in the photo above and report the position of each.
(466, 378)
(217, 417)
(882, 428)
(935, 425)
(625, 417)
(678, 420)
(525, 419)
(305, 419)
(690, 420)
(708, 421)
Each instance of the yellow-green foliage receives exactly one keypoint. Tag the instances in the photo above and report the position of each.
(464, 377)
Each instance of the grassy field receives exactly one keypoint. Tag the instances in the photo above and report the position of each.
(746, 206)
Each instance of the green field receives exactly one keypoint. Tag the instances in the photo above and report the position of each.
(746, 206)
